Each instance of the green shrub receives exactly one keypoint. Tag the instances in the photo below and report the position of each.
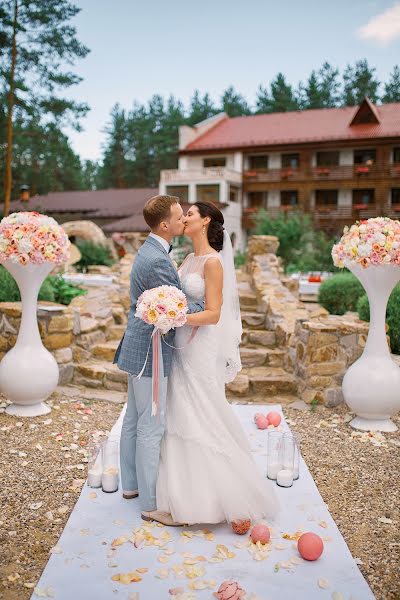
(93, 254)
(301, 247)
(392, 316)
(240, 259)
(53, 289)
(9, 291)
(64, 292)
(340, 293)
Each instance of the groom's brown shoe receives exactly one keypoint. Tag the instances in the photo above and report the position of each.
(160, 517)
(130, 495)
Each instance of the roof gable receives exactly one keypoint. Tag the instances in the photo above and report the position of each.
(366, 113)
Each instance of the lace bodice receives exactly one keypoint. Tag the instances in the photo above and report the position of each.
(191, 274)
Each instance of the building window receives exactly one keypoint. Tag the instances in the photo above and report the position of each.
(396, 154)
(289, 198)
(327, 159)
(216, 161)
(291, 161)
(207, 193)
(182, 191)
(256, 200)
(363, 198)
(233, 193)
(395, 196)
(326, 197)
(365, 157)
(259, 162)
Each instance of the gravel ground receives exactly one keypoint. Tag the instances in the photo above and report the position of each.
(44, 469)
(358, 476)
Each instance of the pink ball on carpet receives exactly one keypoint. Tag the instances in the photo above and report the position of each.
(262, 422)
(260, 533)
(241, 526)
(310, 546)
(230, 590)
(256, 416)
(274, 418)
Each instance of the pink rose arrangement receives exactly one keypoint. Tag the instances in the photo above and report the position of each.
(165, 307)
(32, 238)
(371, 242)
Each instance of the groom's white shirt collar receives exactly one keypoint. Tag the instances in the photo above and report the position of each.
(161, 240)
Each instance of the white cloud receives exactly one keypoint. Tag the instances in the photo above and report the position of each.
(383, 28)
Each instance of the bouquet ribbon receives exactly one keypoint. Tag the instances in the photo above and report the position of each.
(155, 344)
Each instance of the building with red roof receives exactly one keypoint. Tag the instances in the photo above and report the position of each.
(337, 164)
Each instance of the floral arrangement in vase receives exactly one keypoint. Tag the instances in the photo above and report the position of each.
(32, 238)
(369, 242)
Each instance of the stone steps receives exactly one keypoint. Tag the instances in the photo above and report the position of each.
(256, 357)
(105, 351)
(253, 320)
(254, 338)
(115, 332)
(100, 374)
(263, 380)
(248, 300)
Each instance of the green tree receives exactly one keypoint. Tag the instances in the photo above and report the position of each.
(329, 85)
(392, 87)
(233, 103)
(112, 173)
(359, 81)
(200, 108)
(280, 98)
(36, 37)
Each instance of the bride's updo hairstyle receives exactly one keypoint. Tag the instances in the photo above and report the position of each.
(215, 231)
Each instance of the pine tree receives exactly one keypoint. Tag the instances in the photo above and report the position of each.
(112, 172)
(329, 85)
(392, 87)
(359, 81)
(36, 36)
(233, 103)
(200, 108)
(280, 99)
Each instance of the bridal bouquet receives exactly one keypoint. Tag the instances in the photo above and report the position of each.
(369, 242)
(29, 237)
(165, 307)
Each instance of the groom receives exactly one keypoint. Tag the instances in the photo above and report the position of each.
(141, 433)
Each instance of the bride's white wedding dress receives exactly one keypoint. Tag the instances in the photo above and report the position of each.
(206, 473)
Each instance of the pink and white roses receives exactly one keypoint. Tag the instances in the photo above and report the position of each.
(165, 307)
(370, 242)
(32, 238)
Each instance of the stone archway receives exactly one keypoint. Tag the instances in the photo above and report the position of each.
(86, 230)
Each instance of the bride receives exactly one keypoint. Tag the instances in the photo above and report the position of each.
(207, 473)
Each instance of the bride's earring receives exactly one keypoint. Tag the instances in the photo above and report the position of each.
(204, 229)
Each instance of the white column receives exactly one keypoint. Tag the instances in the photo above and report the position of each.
(192, 193)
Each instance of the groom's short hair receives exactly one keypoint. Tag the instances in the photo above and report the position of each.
(158, 209)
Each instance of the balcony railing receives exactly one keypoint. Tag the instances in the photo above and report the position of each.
(181, 176)
(284, 174)
(395, 169)
(333, 172)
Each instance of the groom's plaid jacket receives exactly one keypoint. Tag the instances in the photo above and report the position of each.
(152, 268)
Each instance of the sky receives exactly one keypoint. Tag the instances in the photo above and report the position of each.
(140, 48)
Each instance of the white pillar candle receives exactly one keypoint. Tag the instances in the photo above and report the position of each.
(273, 470)
(285, 478)
(289, 467)
(94, 477)
(110, 479)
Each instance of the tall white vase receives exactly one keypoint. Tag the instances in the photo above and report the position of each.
(371, 386)
(28, 372)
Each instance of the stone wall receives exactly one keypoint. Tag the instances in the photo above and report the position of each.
(57, 330)
(321, 351)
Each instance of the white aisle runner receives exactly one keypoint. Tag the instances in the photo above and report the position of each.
(83, 566)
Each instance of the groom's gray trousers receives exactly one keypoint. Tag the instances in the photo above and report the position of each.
(141, 433)
(141, 438)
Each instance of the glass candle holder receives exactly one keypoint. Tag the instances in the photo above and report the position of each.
(110, 474)
(295, 446)
(274, 453)
(95, 461)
